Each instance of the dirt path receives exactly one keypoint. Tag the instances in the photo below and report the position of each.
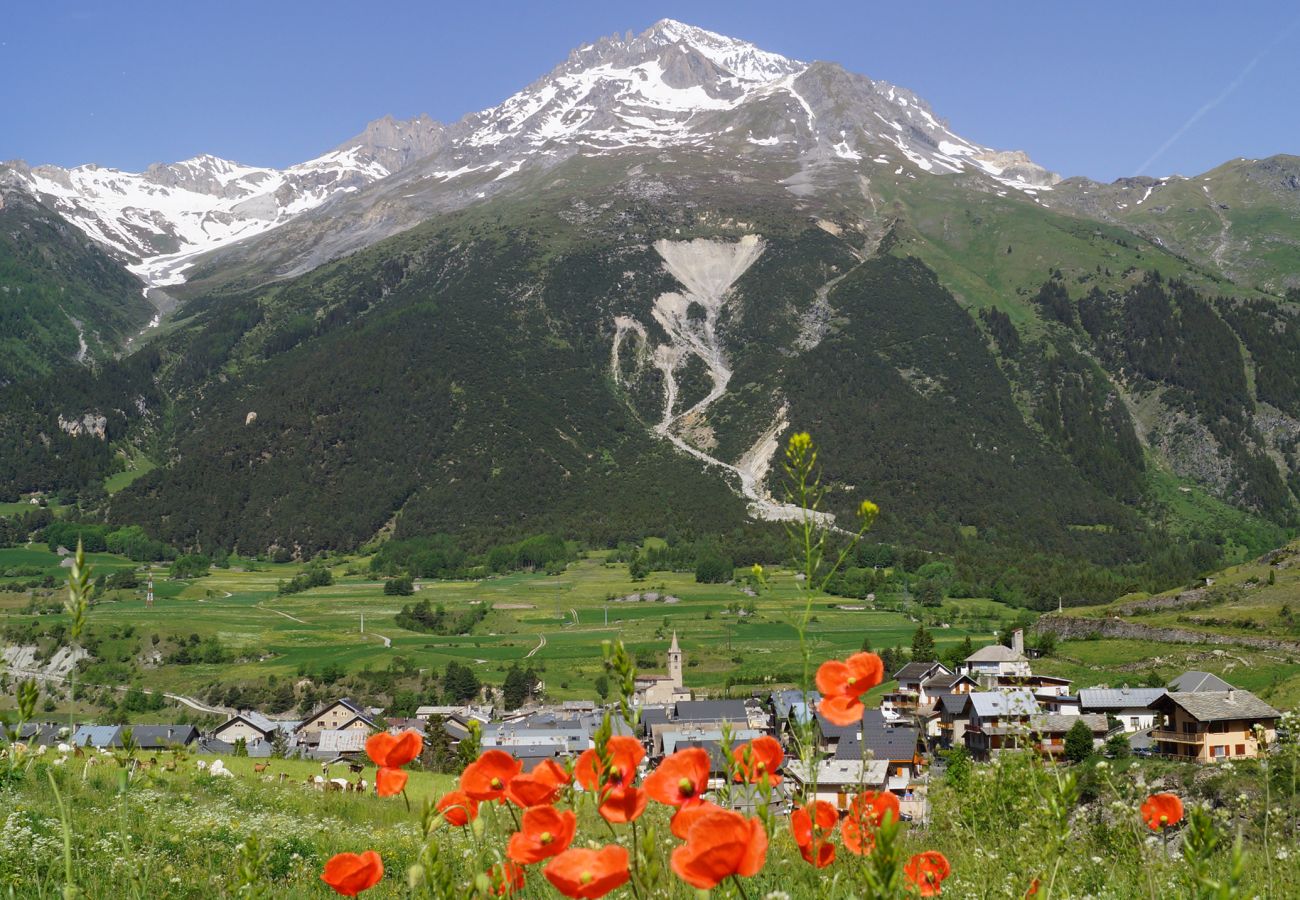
(541, 642)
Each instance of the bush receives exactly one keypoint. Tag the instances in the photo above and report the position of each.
(712, 568)
(399, 587)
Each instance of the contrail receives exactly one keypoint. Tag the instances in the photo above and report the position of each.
(1222, 95)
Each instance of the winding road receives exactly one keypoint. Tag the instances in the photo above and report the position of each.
(541, 642)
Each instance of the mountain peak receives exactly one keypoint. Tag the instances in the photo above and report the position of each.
(742, 59)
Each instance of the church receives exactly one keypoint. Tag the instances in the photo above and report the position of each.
(660, 690)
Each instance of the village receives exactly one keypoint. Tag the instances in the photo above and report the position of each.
(993, 703)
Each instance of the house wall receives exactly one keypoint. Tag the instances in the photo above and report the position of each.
(332, 719)
(236, 730)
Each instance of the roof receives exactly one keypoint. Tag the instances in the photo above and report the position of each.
(939, 683)
(915, 671)
(709, 739)
(1216, 706)
(152, 736)
(953, 704)
(1052, 723)
(1198, 681)
(347, 704)
(95, 735)
(712, 711)
(879, 743)
(839, 772)
(996, 653)
(1008, 703)
(1118, 698)
(654, 715)
(345, 741)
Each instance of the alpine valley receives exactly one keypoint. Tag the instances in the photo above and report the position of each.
(597, 309)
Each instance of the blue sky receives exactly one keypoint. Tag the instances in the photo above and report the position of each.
(1100, 89)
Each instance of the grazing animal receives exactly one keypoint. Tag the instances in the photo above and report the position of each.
(284, 776)
(203, 765)
(318, 782)
(356, 768)
(259, 768)
(78, 752)
(333, 785)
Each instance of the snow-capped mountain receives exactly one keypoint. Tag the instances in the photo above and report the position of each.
(159, 219)
(673, 85)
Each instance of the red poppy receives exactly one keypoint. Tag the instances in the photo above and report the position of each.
(1161, 811)
(390, 781)
(685, 817)
(760, 757)
(545, 832)
(868, 812)
(394, 750)
(487, 777)
(624, 753)
(458, 809)
(842, 685)
(351, 873)
(811, 826)
(624, 804)
(588, 873)
(538, 787)
(505, 878)
(927, 871)
(1033, 889)
(719, 844)
(680, 778)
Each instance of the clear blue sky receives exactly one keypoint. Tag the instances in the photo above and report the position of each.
(1093, 89)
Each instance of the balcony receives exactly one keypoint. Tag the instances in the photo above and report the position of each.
(1177, 737)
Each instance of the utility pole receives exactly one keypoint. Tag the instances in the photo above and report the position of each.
(363, 623)
(148, 596)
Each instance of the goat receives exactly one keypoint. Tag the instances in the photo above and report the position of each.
(259, 768)
(356, 768)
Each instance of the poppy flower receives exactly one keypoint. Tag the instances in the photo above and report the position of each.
(538, 787)
(811, 826)
(390, 781)
(458, 809)
(869, 811)
(1033, 889)
(394, 750)
(760, 757)
(505, 878)
(624, 804)
(351, 873)
(927, 871)
(545, 832)
(1161, 811)
(624, 753)
(842, 685)
(685, 817)
(487, 777)
(588, 873)
(719, 844)
(680, 778)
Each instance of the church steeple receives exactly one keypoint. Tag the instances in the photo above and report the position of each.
(675, 662)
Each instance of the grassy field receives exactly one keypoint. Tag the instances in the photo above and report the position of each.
(555, 623)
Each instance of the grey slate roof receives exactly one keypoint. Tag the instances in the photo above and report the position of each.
(880, 743)
(1216, 706)
(915, 671)
(151, 737)
(1053, 724)
(1118, 698)
(953, 704)
(1198, 681)
(995, 653)
(712, 711)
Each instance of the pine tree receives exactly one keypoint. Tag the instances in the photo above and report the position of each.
(922, 645)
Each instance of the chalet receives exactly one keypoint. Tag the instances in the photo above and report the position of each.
(954, 716)
(253, 727)
(996, 660)
(1043, 686)
(35, 734)
(338, 715)
(911, 695)
(1209, 726)
(998, 721)
(840, 780)
(897, 745)
(1130, 706)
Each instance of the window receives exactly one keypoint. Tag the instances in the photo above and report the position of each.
(1218, 751)
(1218, 728)
(1241, 749)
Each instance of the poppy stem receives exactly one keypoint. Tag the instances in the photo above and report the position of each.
(740, 887)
